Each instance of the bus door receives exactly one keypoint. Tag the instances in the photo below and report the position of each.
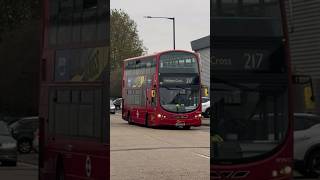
(78, 116)
(150, 90)
(151, 99)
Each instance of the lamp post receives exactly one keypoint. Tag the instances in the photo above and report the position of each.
(174, 27)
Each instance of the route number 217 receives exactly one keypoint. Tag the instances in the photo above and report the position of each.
(253, 61)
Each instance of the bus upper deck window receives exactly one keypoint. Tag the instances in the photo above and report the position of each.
(90, 4)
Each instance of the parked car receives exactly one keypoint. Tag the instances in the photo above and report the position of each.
(23, 131)
(307, 144)
(8, 146)
(9, 119)
(112, 107)
(118, 103)
(206, 107)
(35, 142)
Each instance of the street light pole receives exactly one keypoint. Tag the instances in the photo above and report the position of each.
(174, 27)
(174, 33)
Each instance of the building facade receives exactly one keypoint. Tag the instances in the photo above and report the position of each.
(202, 46)
(304, 27)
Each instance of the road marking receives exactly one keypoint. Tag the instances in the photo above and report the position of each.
(27, 165)
(202, 155)
(157, 148)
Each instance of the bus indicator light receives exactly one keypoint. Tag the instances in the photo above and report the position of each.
(153, 93)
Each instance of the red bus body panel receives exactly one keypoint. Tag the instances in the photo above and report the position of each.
(263, 169)
(80, 157)
(138, 113)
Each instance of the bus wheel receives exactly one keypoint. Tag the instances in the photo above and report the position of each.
(207, 113)
(313, 164)
(60, 171)
(129, 119)
(146, 121)
(186, 127)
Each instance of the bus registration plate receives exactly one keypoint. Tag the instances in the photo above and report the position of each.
(180, 123)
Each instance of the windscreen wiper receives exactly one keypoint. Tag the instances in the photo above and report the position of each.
(169, 88)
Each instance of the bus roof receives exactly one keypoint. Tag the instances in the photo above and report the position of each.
(156, 54)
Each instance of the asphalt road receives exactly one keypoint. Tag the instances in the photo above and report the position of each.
(22, 171)
(145, 153)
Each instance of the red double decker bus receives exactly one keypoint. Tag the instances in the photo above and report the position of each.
(74, 109)
(162, 89)
(251, 125)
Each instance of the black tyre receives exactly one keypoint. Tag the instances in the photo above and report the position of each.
(129, 119)
(207, 113)
(24, 146)
(186, 127)
(313, 164)
(60, 172)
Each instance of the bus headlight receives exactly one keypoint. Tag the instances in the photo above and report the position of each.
(286, 170)
(274, 173)
(159, 116)
(197, 116)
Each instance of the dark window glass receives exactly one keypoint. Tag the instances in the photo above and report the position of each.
(53, 22)
(246, 8)
(77, 118)
(176, 99)
(299, 123)
(178, 62)
(65, 22)
(102, 21)
(259, 107)
(85, 64)
(77, 21)
(304, 122)
(204, 100)
(90, 4)
(89, 25)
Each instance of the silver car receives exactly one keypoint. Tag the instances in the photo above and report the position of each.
(35, 142)
(112, 107)
(8, 146)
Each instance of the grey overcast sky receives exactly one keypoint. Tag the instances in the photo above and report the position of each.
(192, 21)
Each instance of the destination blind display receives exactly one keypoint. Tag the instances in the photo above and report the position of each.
(241, 60)
(171, 80)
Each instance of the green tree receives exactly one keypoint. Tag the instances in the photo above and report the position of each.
(19, 56)
(125, 43)
(14, 13)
